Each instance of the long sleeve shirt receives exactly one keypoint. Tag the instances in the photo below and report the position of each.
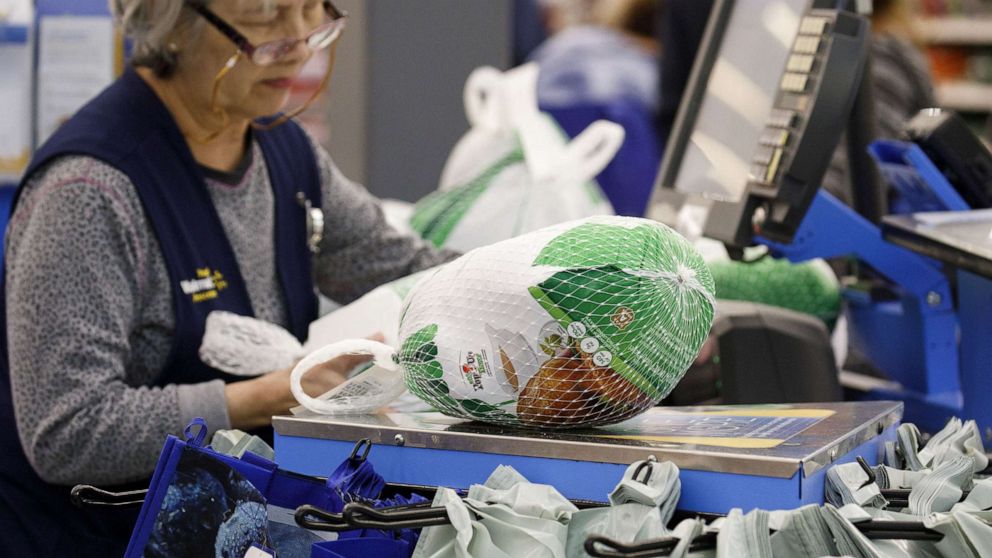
(90, 315)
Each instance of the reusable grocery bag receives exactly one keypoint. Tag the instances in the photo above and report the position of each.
(810, 288)
(507, 517)
(201, 503)
(641, 506)
(362, 548)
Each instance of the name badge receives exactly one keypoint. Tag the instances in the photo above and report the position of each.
(315, 222)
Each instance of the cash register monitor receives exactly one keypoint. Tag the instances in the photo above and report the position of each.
(729, 96)
(767, 101)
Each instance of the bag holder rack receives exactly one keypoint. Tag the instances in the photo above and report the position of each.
(599, 546)
(359, 515)
(604, 547)
(899, 497)
(363, 516)
(85, 495)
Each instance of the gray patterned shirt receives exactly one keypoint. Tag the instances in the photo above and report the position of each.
(89, 306)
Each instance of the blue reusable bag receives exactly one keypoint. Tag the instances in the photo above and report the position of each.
(201, 503)
(359, 548)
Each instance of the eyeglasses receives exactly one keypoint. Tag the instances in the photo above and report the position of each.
(266, 54)
(271, 52)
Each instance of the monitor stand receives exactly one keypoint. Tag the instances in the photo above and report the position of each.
(912, 338)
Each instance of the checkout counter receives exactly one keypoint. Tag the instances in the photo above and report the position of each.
(963, 242)
(768, 457)
(766, 107)
(768, 102)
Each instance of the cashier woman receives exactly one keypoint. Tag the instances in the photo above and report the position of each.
(172, 194)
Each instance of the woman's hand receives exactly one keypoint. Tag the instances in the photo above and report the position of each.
(252, 403)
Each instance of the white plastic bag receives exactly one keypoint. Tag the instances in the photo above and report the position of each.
(515, 171)
(491, 135)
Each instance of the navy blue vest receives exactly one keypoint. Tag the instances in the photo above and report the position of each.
(128, 127)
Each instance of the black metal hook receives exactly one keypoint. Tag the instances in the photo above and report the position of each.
(316, 519)
(646, 549)
(364, 516)
(903, 530)
(83, 495)
(874, 530)
(358, 446)
(897, 497)
(987, 470)
(617, 549)
(868, 471)
(599, 546)
(413, 516)
(643, 465)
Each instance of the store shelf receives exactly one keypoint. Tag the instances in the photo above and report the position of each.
(965, 96)
(975, 30)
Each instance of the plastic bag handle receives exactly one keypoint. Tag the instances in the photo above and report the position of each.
(519, 94)
(579, 160)
(542, 145)
(482, 107)
(382, 355)
(589, 153)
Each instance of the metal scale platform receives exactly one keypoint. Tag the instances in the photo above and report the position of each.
(768, 456)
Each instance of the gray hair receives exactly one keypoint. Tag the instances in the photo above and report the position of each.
(153, 27)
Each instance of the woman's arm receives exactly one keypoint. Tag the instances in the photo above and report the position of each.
(359, 250)
(78, 260)
(253, 403)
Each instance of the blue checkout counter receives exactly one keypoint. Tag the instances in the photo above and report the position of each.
(768, 456)
(962, 241)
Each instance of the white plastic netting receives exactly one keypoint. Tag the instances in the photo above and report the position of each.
(580, 324)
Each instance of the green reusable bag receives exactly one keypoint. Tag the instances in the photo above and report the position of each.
(810, 287)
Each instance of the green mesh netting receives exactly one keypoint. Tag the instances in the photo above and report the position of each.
(586, 323)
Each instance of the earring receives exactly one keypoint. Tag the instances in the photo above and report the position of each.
(173, 48)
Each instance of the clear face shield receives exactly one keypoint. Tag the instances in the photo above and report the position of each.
(269, 53)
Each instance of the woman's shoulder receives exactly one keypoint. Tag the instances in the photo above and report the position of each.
(328, 171)
(78, 173)
(76, 187)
